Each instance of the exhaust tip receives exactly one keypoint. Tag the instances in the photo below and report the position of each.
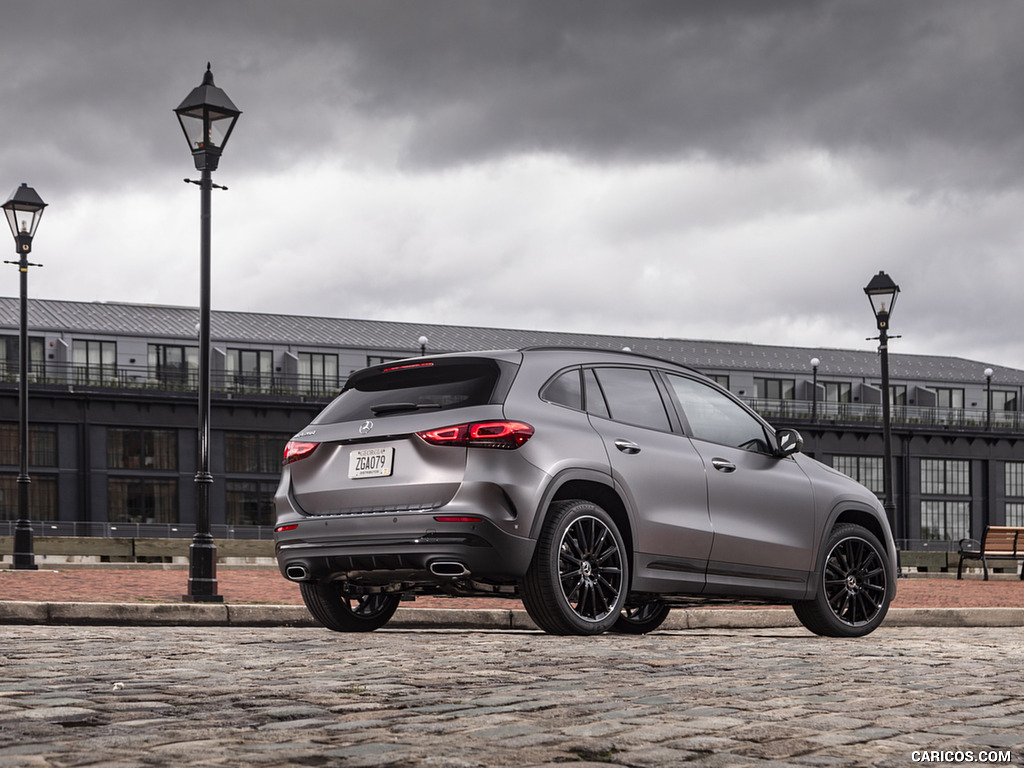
(296, 573)
(448, 569)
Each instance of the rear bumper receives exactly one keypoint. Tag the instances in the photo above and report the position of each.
(399, 547)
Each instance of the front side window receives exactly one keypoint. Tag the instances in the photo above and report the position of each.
(632, 397)
(716, 418)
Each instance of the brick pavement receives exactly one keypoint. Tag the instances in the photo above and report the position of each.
(132, 697)
(267, 586)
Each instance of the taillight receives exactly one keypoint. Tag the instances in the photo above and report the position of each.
(297, 450)
(508, 435)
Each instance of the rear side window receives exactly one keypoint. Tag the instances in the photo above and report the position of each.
(565, 390)
(433, 386)
(633, 397)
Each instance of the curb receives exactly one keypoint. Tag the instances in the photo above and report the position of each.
(228, 615)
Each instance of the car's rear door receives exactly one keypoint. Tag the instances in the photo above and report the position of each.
(659, 471)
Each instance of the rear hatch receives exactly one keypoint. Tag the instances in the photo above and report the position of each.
(363, 455)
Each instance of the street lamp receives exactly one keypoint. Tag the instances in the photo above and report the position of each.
(815, 362)
(24, 209)
(207, 117)
(988, 398)
(882, 293)
(423, 345)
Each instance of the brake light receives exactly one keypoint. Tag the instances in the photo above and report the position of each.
(507, 435)
(406, 367)
(296, 450)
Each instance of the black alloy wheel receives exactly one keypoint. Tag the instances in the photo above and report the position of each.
(853, 588)
(641, 619)
(342, 612)
(578, 580)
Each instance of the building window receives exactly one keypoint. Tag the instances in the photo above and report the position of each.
(174, 365)
(1004, 401)
(253, 452)
(10, 362)
(142, 448)
(949, 398)
(42, 497)
(249, 368)
(93, 361)
(42, 445)
(250, 502)
(318, 373)
(1014, 474)
(866, 470)
(838, 392)
(774, 389)
(380, 360)
(945, 499)
(720, 379)
(142, 501)
(898, 394)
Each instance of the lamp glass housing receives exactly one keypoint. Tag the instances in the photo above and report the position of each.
(207, 117)
(24, 209)
(882, 293)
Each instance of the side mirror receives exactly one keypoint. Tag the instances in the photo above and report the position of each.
(789, 441)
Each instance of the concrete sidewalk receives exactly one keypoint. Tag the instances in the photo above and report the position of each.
(240, 615)
(260, 597)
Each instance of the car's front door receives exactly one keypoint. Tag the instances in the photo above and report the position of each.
(661, 474)
(761, 506)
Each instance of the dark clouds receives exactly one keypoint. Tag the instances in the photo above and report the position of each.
(925, 92)
(732, 167)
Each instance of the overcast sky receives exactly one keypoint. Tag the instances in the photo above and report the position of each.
(720, 170)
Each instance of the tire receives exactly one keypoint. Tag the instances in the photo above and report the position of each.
(853, 586)
(641, 619)
(579, 577)
(341, 612)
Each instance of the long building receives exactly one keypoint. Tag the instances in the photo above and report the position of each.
(113, 415)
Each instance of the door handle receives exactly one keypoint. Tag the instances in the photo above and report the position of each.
(627, 446)
(723, 466)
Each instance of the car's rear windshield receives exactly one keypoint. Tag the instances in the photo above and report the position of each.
(410, 387)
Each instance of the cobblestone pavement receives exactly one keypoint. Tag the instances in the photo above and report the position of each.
(85, 696)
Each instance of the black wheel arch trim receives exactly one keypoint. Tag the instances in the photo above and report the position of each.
(596, 477)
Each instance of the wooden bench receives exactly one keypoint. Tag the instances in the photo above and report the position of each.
(1000, 542)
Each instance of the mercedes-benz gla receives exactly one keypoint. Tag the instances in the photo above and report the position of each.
(600, 488)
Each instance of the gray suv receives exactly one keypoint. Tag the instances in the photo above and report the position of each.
(601, 488)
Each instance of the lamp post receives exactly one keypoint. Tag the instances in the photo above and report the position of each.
(24, 209)
(815, 362)
(423, 345)
(988, 398)
(882, 293)
(207, 117)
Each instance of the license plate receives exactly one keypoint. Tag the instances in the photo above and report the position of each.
(370, 462)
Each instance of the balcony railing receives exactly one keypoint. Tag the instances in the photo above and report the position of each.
(141, 377)
(318, 388)
(829, 413)
(138, 530)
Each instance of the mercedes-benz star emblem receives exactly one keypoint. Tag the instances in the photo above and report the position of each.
(365, 427)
